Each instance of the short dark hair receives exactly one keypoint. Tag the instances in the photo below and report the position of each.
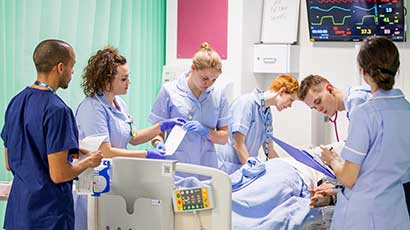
(49, 53)
(379, 58)
(101, 70)
(310, 82)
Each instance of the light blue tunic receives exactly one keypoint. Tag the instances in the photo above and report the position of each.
(378, 140)
(95, 116)
(355, 96)
(247, 119)
(176, 99)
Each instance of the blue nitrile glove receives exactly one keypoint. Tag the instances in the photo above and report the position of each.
(196, 127)
(160, 147)
(170, 123)
(155, 154)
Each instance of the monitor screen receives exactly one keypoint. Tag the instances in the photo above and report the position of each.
(354, 20)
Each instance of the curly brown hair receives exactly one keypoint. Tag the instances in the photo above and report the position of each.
(101, 70)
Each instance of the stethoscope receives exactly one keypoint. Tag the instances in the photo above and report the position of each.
(373, 98)
(335, 125)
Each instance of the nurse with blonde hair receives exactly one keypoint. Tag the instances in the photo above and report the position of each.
(193, 97)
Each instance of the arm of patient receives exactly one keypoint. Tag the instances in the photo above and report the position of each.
(323, 195)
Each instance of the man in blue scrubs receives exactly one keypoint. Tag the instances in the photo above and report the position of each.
(40, 138)
(319, 94)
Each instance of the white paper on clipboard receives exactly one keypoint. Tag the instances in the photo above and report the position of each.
(85, 180)
(174, 139)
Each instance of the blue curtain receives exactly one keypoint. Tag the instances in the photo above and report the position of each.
(135, 27)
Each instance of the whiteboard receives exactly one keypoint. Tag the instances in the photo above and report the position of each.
(280, 19)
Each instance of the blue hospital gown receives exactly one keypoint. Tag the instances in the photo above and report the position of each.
(378, 142)
(38, 123)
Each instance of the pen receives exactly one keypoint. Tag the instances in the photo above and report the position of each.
(331, 148)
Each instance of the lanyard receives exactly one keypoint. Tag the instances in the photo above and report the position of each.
(267, 121)
(129, 122)
(39, 83)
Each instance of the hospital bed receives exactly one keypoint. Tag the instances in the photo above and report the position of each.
(143, 195)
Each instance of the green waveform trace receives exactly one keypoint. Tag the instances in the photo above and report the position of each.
(333, 20)
(369, 16)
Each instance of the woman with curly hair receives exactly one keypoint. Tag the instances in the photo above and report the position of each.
(103, 112)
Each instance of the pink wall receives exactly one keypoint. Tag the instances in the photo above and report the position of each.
(199, 21)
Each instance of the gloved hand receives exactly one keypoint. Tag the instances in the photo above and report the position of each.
(196, 127)
(155, 154)
(160, 147)
(170, 123)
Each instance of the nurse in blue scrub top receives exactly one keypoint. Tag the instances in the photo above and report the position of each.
(252, 121)
(319, 94)
(103, 112)
(376, 156)
(204, 107)
(40, 139)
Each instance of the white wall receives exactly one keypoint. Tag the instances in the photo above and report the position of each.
(337, 62)
(334, 60)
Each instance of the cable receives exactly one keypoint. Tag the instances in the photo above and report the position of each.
(196, 214)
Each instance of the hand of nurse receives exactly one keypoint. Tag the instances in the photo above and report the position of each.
(160, 147)
(94, 159)
(196, 127)
(170, 123)
(155, 154)
(327, 155)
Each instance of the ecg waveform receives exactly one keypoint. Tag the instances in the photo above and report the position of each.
(343, 20)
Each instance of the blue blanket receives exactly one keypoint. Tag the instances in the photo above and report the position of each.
(268, 195)
(277, 199)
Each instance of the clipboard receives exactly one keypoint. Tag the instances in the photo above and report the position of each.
(304, 157)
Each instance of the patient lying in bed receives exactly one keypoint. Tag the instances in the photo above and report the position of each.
(270, 195)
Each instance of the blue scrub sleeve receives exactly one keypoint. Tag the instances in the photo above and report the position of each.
(160, 109)
(241, 117)
(61, 131)
(92, 119)
(225, 115)
(359, 137)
